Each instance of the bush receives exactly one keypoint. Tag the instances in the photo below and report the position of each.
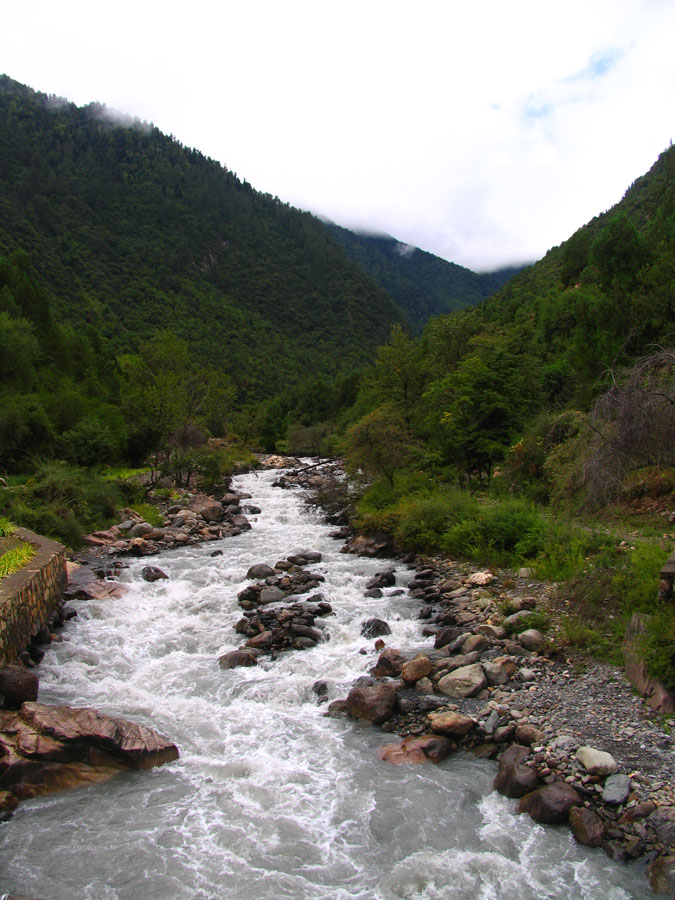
(425, 518)
(507, 532)
(62, 502)
(659, 646)
(637, 584)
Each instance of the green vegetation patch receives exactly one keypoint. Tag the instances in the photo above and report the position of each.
(13, 560)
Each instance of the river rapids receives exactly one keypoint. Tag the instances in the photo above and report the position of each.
(270, 799)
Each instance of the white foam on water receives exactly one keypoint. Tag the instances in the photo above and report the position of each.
(270, 799)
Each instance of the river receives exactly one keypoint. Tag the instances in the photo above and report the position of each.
(270, 798)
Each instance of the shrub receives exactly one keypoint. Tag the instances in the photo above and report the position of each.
(423, 519)
(637, 584)
(659, 646)
(505, 532)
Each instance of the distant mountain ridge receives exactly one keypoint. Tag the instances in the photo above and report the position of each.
(131, 232)
(422, 284)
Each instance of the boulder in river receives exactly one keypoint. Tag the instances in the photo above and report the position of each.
(372, 703)
(373, 628)
(236, 658)
(389, 664)
(427, 747)
(551, 804)
(586, 826)
(261, 571)
(17, 685)
(48, 748)
(514, 778)
(152, 573)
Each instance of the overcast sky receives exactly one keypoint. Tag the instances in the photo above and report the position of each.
(484, 132)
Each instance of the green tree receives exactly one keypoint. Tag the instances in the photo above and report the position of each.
(398, 375)
(378, 445)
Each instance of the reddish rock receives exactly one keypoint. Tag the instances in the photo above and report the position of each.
(451, 724)
(49, 748)
(389, 664)
(661, 873)
(139, 746)
(84, 585)
(374, 703)
(514, 778)
(17, 685)
(373, 545)
(586, 826)
(238, 658)
(262, 641)
(415, 750)
(639, 811)
(550, 805)
(415, 669)
(529, 735)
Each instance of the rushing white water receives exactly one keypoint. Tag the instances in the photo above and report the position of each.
(270, 799)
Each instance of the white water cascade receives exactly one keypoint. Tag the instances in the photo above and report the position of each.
(270, 799)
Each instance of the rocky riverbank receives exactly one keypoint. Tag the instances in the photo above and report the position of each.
(573, 742)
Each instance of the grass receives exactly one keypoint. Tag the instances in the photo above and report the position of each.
(16, 559)
(7, 528)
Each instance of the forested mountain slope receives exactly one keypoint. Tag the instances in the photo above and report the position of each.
(131, 232)
(508, 372)
(422, 284)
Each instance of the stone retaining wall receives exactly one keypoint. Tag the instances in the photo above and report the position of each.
(29, 597)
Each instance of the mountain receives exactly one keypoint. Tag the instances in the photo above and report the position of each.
(130, 232)
(423, 285)
(514, 376)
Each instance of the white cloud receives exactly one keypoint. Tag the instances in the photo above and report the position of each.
(484, 133)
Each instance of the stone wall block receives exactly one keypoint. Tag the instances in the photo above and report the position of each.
(28, 598)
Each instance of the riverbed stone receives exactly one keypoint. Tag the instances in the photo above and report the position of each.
(661, 873)
(550, 804)
(475, 643)
(616, 790)
(389, 664)
(596, 762)
(463, 682)
(372, 703)
(446, 636)
(529, 735)
(451, 724)
(260, 571)
(236, 658)
(514, 778)
(417, 750)
(586, 826)
(499, 670)
(152, 573)
(373, 628)
(17, 685)
(533, 640)
(417, 668)
(270, 595)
